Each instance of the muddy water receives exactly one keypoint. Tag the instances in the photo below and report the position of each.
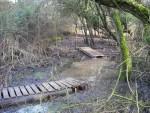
(48, 107)
(87, 69)
(34, 74)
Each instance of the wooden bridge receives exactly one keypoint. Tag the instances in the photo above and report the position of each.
(37, 92)
(91, 52)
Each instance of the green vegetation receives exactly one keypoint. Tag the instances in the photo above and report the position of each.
(131, 6)
(126, 56)
(147, 34)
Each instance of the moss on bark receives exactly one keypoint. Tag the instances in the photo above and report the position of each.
(125, 53)
(131, 6)
(126, 58)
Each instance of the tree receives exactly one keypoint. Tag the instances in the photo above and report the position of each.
(125, 53)
(131, 6)
(136, 9)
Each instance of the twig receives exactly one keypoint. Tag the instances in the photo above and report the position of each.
(129, 99)
(137, 102)
(128, 81)
(114, 89)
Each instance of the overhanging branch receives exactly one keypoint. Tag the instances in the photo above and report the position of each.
(133, 7)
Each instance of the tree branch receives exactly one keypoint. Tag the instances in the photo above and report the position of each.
(133, 7)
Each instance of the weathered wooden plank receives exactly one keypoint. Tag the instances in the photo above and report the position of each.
(41, 88)
(48, 87)
(32, 98)
(11, 92)
(65, 83)
(29, 89)
(77, 84)
(60, 84)
(5, 93)
(55, 86)
(35, 89)
(24, 91)
(72, 82)
(91, 52)
(18, 92)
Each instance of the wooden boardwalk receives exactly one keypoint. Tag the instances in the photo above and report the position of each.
(37, 92)
(91, 52)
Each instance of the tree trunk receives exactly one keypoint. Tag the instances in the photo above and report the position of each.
(125, 53)
(102, 15)
(85, 31)
(133, 7)
(91, 36)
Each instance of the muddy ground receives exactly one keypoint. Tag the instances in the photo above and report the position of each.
(62, 56)
(101, 74)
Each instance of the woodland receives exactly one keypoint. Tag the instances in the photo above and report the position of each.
(39, 41)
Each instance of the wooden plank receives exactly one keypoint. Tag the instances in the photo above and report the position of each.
(41, 88)
(5, 93)
(35, 89)
(65, 83)
(5, 103)
(29, 89)
(60, 84)
(11, 92)
(18, 92)
(55, 86)
(78, 85)
(24, 91)
(91, 52)
(72, 79)
(72, 82)
(48, 87)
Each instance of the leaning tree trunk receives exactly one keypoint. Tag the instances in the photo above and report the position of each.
(135, 8)
(102, 15)
(125, 53)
